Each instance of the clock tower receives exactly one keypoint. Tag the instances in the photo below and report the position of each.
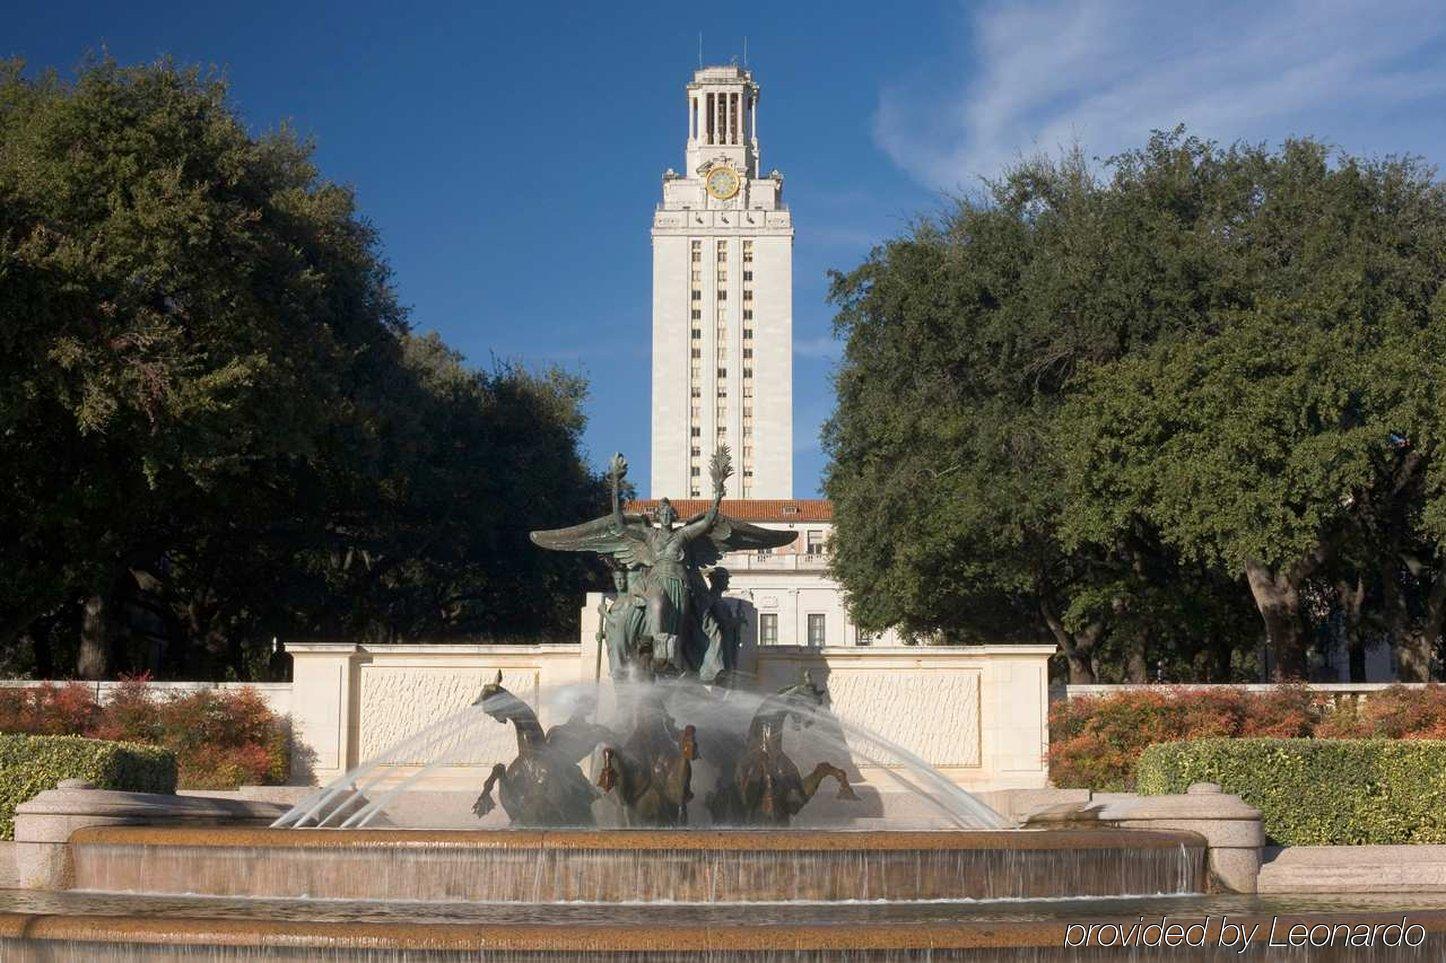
(722, 303)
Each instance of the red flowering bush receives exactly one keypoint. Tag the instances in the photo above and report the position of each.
(221, 738)
(1095, 740)
(48, 709)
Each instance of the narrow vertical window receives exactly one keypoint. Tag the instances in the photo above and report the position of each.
(768, 628)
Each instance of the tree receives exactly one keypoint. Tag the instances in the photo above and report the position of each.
(1095, 409)
(216, 422)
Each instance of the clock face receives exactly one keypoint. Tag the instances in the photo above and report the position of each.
(722, 183)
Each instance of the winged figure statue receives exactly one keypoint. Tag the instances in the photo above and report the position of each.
(663, 557)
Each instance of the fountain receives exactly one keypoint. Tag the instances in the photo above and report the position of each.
(674, 813)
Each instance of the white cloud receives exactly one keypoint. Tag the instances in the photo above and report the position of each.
(1105, 73)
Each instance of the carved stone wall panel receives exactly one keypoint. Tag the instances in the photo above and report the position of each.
(399, 702)
(933, 713)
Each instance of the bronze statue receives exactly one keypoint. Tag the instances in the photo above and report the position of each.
(762, 786)
(669, 557)
(653, 771)
(722, 627)
(544, 785)
(624, 621)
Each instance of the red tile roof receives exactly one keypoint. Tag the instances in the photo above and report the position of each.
(750, 509)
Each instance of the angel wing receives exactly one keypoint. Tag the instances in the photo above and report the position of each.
(628, 544)
(731, 535)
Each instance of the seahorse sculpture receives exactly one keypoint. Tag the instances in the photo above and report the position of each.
(652, 772)
(759, 785)
(544, 785)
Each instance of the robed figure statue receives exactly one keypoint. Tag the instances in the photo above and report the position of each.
(668, 555)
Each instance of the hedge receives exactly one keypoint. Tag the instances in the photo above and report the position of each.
(1316, 792)
(32, 764)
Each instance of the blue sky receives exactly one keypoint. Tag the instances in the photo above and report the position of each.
(510, 154)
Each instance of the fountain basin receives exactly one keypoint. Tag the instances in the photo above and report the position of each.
(617, 866)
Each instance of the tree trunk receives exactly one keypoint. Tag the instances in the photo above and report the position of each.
(1078, 647)
(1222, 652)
(1277, 596)
(93, 659)
(1137, 666)
(1352, 598)
(1413, 642)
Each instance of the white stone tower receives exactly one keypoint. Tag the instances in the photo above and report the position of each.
(722, 303)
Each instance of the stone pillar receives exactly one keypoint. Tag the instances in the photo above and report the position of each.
(1014, 715)
(323, 715)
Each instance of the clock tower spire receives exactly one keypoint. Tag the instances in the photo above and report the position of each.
(722, 302)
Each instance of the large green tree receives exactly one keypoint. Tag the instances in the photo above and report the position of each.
(1116, 410)
(215, 424)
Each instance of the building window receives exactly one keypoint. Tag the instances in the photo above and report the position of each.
(748, 316)
(814, 543)
(697, 295)
(722, 372)
(863, 637)
(747, 332)
(816, 623)
(695, 432)
(768, 628)
(747, 352)
(697, 352)
(748, 275)
(694, 471)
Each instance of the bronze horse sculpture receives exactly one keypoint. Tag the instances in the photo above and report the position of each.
(761, 786)
(653, 770)
(544, 785)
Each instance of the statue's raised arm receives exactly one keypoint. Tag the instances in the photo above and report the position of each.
(721, 467)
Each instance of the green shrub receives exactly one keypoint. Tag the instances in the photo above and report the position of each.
(33, 764)
(1315, 792)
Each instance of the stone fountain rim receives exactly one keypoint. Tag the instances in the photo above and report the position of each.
(768, 840)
